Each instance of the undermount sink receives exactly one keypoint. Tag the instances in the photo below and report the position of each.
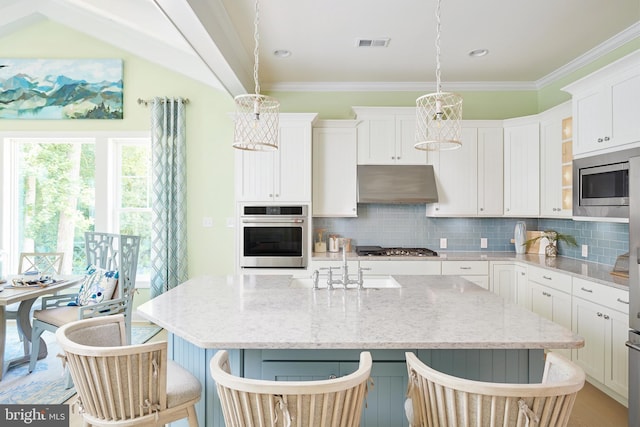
(370, 282)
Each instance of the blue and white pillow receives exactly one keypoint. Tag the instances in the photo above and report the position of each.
(98, 286)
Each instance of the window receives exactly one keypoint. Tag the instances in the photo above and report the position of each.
(57, 187)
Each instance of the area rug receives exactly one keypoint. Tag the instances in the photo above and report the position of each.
(46, 385)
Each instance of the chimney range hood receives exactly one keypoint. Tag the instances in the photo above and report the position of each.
(396, 184)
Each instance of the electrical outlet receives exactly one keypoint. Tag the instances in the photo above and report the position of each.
(585, 251)
(231, 222)
(443, 243)
(483, 243)
(207, 221)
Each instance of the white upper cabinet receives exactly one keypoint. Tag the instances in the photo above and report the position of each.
(606, 107)
(469, 179)
(334, 168)
(522, 167)
(490, 171)
(456, 172)
(283, 175)
(386, 136)
(555, 162)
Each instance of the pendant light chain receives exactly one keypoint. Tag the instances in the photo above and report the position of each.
(256, 50)
(438, 81)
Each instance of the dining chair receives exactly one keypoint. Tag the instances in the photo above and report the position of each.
(438, 399)
(47, 263)
(263, 403)
(112, 252)
(125, 385)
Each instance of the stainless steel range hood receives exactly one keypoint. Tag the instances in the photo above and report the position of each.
(395, 184)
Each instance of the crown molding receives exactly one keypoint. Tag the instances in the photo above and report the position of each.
(592, 55)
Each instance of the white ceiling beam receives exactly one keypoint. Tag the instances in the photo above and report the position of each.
(207, 28)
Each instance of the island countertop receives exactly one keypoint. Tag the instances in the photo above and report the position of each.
(426, 312)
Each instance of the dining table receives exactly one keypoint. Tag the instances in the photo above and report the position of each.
(26, 296)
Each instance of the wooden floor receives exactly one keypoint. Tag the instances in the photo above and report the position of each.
(593, 408)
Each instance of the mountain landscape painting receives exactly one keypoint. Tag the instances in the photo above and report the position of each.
(60, 88)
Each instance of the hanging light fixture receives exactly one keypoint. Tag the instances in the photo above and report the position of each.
(256, 126)
(438, 114)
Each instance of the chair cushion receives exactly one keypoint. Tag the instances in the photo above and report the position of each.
(57, 316)
(182, 386)
(98, 286)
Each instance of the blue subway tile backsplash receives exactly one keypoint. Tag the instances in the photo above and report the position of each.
(408, 226)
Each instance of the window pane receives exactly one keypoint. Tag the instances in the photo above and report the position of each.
(56, 197)
(134, 215)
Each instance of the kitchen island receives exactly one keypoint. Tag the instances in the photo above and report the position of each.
(276, 329)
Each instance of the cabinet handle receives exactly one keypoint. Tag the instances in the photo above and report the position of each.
(599, 314)
(465, 268)
(587, 290)
(547, 277)
(606, 138)
(622, 301)
(606, 317)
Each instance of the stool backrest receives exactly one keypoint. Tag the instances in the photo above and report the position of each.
(262, 403)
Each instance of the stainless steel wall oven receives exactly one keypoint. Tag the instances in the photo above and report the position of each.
(273, 236)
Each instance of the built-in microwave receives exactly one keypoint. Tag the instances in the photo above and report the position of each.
(273, 236)
(601, 185)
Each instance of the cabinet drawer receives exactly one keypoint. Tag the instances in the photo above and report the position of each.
(617, 299)
(550, 278)
(401, 267)
(458, 268)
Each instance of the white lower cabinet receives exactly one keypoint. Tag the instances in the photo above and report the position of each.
(409, 268)
(553, 305)
(600, 316)
(503, 281)
(474, 271)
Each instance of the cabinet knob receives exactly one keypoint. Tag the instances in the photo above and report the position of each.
(481, 209)
(277, 195)
(600, 140)
(393, 157)
(606, 317)
(599, 314)
(399, 157)
(333, 376)
(271, 195)
(606, 138)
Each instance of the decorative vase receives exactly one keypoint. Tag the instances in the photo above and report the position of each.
(552, 249)
(520, 236)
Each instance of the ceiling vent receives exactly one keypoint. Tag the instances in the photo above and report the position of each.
(372, 42)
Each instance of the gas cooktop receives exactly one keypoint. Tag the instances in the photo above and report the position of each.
(380, 251)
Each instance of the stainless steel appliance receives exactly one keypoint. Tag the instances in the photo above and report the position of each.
(634, 292)
(380, 251)
(601, 185)
(273, 236)
(407, 184)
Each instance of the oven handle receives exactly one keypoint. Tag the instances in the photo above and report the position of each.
(632, 345)
(272, 221)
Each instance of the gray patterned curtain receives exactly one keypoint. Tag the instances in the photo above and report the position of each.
(169, 169)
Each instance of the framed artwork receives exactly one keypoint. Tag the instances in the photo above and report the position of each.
(60, 88)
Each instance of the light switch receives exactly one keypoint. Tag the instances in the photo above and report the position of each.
(207, 221)
(585, 251)
(443, 243)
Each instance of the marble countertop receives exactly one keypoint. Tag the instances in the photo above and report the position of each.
(583, 269)
(267, 312)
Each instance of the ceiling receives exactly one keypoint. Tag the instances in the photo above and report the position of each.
(530, 43)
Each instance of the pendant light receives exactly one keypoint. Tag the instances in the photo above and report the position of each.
(256, 125)
(438, 114)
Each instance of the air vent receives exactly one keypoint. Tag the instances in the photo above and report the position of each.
(372, 42)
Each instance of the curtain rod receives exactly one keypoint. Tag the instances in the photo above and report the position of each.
(148, 101)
